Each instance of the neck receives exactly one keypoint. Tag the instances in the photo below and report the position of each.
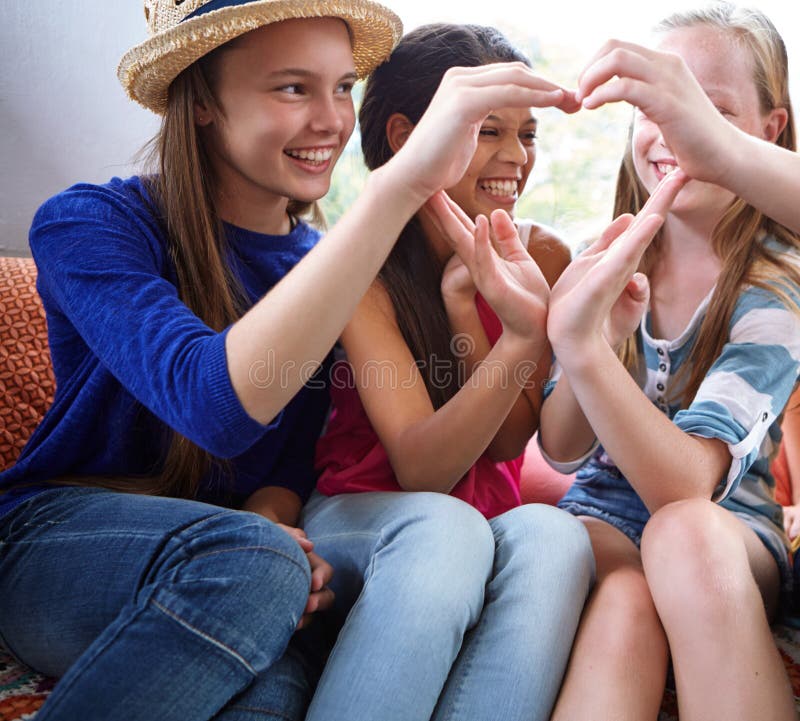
(246, 207)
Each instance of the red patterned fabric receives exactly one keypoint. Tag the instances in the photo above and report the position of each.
(27, 384)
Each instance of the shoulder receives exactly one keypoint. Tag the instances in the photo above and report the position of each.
(85, 206)
(91, 201)
(546, 247)
(764, 315)
(89, 224)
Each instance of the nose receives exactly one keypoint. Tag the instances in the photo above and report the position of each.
(328, 114)
(513, 151)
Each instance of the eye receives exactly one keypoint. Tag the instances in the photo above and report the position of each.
(528, 137)
(724, 111)
(345, 88)
(292, 89)
(489, 132)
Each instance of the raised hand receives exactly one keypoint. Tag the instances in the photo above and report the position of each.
(583, 297)
(439, 149)
(627, 311)
(504, 272)
(457, 284)
(663, 87)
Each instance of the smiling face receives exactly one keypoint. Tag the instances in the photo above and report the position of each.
(286, 112)
(501, 164)
(724, 69)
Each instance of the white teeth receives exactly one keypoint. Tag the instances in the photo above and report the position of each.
(506, 188)
(665, 168)
(312, 156)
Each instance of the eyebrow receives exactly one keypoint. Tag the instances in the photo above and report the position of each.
(303, 73)
(530, 121)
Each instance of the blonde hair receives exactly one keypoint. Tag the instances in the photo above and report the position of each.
(745, 261)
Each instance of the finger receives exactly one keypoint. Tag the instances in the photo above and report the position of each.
(299, 535)
(618, 226)
(638, 93)
(320, 601)
(662, 197)
(458, 211)
(452, 228)
(513, 73)
(485, 254)
(619, 62)
(592, 69)
(321, 571)
(795, 528)
(506, 237)
(569, 103)
(638, 288)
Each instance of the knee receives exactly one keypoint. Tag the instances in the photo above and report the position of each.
(237, 578)
(538, 534)
(446, 549)
(631, 622)
(693, 557)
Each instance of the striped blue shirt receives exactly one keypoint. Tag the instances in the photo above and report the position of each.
(740, 401)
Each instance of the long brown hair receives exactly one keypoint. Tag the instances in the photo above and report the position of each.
(412, 274)
(745, 261)
(182, 189)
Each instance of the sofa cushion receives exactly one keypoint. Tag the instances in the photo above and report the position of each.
(27, 383)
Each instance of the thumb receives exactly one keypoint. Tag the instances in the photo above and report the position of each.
(639, 288)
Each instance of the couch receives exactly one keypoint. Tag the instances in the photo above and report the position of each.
(26, 389)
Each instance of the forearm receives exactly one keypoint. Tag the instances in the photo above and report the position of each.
(471, 346)
(661, 462)
(273, 349)
(434, 453)
(564, 431)
(766, 176)
(278, 504)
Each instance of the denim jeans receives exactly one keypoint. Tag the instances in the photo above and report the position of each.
(445, 615)
(152, 608)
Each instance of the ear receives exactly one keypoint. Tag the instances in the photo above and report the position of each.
(398, 128)
(202, 115)
(774, 124)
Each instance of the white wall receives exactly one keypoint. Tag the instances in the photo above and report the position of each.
(64, 117)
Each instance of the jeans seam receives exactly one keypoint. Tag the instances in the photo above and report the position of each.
(276, 551)
(213, 641)
(261, 710)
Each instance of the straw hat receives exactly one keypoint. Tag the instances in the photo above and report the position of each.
(184, 30)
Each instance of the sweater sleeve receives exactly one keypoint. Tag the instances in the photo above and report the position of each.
(103, 267)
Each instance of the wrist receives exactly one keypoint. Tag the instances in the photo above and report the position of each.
(397, 182)
(520, 354)
(582, 355)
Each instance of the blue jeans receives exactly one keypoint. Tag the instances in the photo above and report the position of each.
(152, 608)
(445, 615)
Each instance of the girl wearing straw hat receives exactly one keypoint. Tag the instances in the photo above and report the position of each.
(150, 555)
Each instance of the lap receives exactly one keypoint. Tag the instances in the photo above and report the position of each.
(72, 558)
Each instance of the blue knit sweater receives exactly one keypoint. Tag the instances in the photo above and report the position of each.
(132, 361)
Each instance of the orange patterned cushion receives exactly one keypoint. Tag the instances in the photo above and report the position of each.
(26, 376)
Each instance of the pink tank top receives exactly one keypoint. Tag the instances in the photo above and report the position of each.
(351, 459)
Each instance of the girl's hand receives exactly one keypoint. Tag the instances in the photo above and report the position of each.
(320, 597)
(791, 521)
(457, 285)
(661, 85)
(592, 285)
(505, 274)
(627, 312)
(439, 149)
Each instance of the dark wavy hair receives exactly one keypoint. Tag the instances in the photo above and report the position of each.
(406, 84)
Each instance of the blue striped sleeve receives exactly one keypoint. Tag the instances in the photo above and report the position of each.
(747, 387)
